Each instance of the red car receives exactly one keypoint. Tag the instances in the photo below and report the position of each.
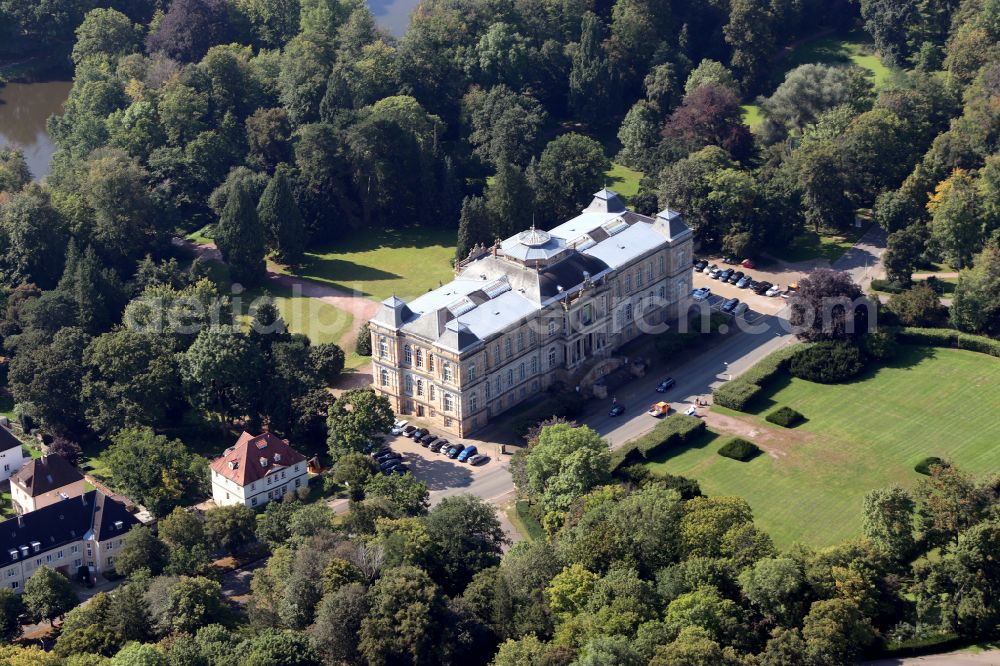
(747, 263)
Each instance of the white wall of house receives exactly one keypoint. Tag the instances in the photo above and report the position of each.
(67, 558)
(25, 503)
(226, 492)
(11, 461)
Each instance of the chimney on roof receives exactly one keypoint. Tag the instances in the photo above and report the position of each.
(20, 520)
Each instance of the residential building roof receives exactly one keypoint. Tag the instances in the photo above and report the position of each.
(7, 439)
(93, 514)
(254, 457)
(42, 475)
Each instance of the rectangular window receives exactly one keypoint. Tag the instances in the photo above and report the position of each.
(552, 357)
(449, 402)
(649, 271)
(472, 372)
(408, 384)
(253, 501)
(15, 585)
(534, 365)
(508, 347)
(407, 355)
(520, 372)
(661, 263)
(383, 348)
(638, 278)
(383, 376)
(628, 282)
(77, 562)
(499, 385)
(447, 371)
(447, 422)
(420, 387)
(48, 558)
(520, 341)
(628, 312)
(433, 391)
(74, 549)
(473, 402)
(531, 336)
(430, 361)
(487, 389)
(552, 327)
(510, 377)
(420, 358)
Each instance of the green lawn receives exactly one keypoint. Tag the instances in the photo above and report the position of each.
(853, 49)
(202, 236)
(751, 116)
(829, 245)
(624, 181)
(381, 262)
(858, 436)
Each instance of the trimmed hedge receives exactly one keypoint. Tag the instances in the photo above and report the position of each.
(949, 337)
(924, 466)
(887, 286)
(828, 362)
(739, 449)
(739, 392)
(672, 431)
(786, 417)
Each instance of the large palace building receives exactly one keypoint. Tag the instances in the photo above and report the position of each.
(538, 308)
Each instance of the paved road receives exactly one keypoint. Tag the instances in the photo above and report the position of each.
(987, 658)
(863, 261)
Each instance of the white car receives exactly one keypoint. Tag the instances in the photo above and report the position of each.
(397, 427)
(701, 293)
(708, 269)
(773, 291)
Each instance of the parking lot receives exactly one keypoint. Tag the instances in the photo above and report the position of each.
(758, 303)
(437, 470)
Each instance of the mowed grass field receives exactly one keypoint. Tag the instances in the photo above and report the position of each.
(378, 263)
(853, 49)
(810, 484)
(624, 181)
(829, 245)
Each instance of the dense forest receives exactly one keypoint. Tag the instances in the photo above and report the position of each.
(287, 124)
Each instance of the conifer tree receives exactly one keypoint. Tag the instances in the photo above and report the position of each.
(281, 219)
(474, 226)
(590, 81)
(240, 237)
(511, 200)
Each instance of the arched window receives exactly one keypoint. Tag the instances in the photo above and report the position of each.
(384, 377)
(420, 358)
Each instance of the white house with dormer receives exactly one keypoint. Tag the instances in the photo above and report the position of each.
(257, 470)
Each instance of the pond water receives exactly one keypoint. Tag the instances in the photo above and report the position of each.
(24, 108)
(393, 15)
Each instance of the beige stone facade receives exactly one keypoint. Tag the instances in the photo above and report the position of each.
(539, 308)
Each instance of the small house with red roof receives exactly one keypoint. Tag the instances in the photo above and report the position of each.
(256, 470)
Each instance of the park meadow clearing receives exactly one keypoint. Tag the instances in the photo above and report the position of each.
(868, 433)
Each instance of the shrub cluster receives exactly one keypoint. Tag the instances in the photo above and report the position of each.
(738, 393)
(887, 286)
(786, 417)
(672, 431)
(828, 362)
(740, 449)
(924, 466)
(948, 337)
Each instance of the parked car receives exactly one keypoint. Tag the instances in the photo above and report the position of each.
(371, 446)
(426, 440)
(729, 260)
(408, 430)
(478, 459)
(399, 469)
(388, 456)
(455, 449)
(665, 385)
(381, 451)
(467, 453)
(735, 277)
(389, 464)
(436, 445)
(701, 293)
(617, 410)
(724, 276)
(699, 264)
(708, 269)
(773, 290)
(418, 433)
(397, 427)
(748, 263)
(730, 305)
(740, 309)
(762, 287)
(744, 282)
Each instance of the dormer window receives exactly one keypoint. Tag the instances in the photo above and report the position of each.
(233, 464)
(13, 553)
(24, 551)
(36, 546)
(119, 524)
(263, 461)
(277, 457)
